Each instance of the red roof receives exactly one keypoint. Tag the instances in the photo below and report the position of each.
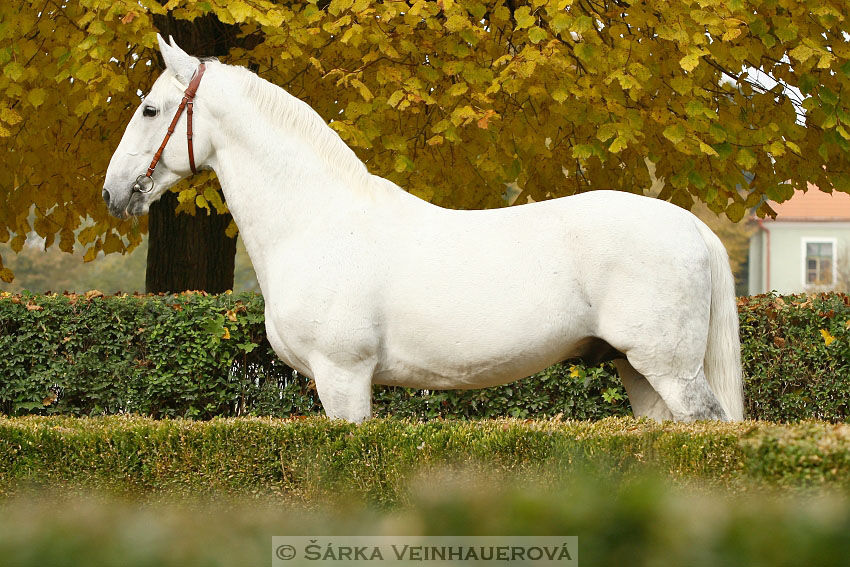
(814, 205)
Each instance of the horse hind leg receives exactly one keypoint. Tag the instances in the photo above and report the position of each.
(683, 388)
(670, 361)
(646, 402)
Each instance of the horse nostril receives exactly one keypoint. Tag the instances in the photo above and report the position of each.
(106, 196)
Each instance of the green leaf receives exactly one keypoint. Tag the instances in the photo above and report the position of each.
(775, 193)
(675, 133)
(827, 96)
(585, 51)
(583, 151)
(403, 163)
(808, 83)
(606, 132)
(717, 132)
(13, 70)
(514, 170)
(560, 93)
(786, 33)
(560, 22)
(696, 109)
(247, 347)
(746, 158)
(582, 24)
(696, 180)
(724, 149)
(88, 71)
(537, 34)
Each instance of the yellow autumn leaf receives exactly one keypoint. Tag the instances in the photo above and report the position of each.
(36, 97)
(619, 144)
(690, 61)
(706, 149)
(827, 337)
(90, 254)
(112, 243)
(186, 196)
(9, 116)
(801, 53)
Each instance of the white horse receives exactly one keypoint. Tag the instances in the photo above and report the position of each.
(366, 284)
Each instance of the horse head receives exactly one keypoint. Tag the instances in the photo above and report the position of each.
(163, 143)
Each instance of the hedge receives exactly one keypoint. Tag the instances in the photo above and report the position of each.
(200, 356)
(311, 457)
(741, 493)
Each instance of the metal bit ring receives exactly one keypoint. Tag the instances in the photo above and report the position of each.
(143, 184)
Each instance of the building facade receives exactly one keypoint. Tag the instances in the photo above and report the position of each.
(806, 248)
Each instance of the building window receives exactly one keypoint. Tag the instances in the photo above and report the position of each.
(820, 263)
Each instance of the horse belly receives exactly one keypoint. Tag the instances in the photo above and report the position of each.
(457, 340)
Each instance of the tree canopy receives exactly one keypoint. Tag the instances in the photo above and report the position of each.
(451, 99)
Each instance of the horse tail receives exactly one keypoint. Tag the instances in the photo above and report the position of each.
(722, 361)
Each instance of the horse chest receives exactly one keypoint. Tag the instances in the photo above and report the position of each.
(320, 312)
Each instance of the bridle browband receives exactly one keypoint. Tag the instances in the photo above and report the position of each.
(144, 183)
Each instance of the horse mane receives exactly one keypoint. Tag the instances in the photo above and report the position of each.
(295, 114)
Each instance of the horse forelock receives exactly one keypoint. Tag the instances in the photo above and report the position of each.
(297, 116)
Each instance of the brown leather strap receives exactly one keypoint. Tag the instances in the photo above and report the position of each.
(190, 95)
(189, 105)
(188, 100)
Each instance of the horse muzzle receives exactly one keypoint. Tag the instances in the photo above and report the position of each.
(117, 206)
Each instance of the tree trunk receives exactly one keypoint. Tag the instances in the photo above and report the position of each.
(188, 252)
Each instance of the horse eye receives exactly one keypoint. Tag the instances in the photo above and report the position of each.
(149, 111)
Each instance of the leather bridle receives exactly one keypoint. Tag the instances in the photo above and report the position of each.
(144, 183)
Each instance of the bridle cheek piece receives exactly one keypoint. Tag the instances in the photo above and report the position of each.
(144, 183)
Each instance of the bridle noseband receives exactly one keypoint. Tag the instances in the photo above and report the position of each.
(144, 183)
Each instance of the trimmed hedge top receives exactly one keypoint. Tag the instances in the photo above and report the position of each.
(200, 356)
(313, 456)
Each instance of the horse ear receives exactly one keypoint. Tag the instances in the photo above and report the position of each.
(178, 61)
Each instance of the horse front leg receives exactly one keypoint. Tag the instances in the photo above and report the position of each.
(344, 388)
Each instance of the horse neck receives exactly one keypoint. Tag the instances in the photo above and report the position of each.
(276, 180)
